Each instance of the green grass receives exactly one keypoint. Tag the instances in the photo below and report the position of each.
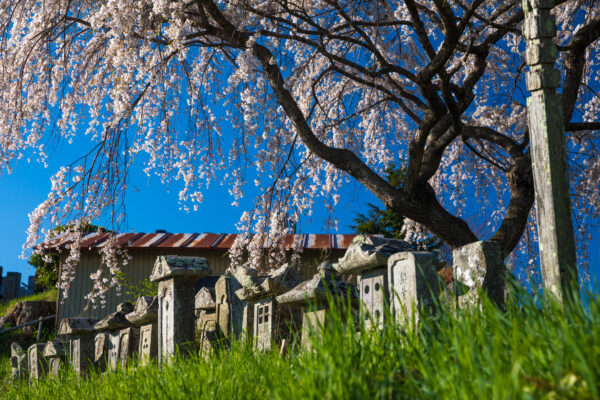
(529, 351)
(48, 295)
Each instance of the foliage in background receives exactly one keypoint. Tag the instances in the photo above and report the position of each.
(47, 266)
(143, 288)
(536, 349)
(389, 223)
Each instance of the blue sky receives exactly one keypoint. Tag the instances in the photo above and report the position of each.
(150, 206)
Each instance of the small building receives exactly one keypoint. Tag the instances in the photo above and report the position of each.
(143, 248)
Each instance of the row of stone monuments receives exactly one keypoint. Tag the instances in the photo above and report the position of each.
(394, 281)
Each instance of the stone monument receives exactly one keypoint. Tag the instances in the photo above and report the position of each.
(80, 338)
(414, 284)
(235, 317)
(37, 364)
(548, 151)
(206, 320)
(479, 266)
(314, 295)
(367, 256)
(176, 277)
(145, 317)
(18, 362)
(55, 354)
(111, 327)
(272, 322)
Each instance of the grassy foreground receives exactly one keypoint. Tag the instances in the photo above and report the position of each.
(530, 351)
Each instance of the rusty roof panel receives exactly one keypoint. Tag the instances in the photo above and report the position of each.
(226, 242)
(93, 239)
(288, 241)
(58, 241)
(343, 241)
(174, 240)
(147, 240)
(204, 241)
(319, 241)
(198, 241)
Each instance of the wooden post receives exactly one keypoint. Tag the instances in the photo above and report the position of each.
(548, 151)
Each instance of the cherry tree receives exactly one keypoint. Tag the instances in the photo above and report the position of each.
(318, 93)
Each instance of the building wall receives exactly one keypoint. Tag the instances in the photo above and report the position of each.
(140, 267)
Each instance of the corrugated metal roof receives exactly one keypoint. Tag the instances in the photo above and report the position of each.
(196, 241)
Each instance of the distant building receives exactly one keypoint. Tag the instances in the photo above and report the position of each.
(143, 248)
(10, 285)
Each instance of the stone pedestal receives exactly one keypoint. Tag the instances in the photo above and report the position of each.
(55, 354)
(176, 277)
(18, 362)
(414, 284)
(479, 266)
(38, 366)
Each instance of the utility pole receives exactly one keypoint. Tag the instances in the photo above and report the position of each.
(548, 152)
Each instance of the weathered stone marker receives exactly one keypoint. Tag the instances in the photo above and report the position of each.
(129, 344)
(235, 317)
(148, 342)
(273, 322)
(18, 362)
(111, 326)
(548, 151)
(145, 317)
(114, 350)
(80, 333)
(101, 350)
(55, 354)
(413, 283)
(312, 296)
(367, 256)
(176, 277)
(206, 320)
(479, 266)
(37, 364)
